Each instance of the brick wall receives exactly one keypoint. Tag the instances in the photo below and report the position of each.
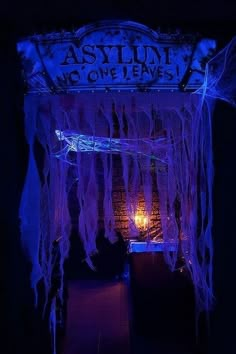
(119, 201)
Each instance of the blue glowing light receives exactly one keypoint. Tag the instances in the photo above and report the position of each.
(153, 246)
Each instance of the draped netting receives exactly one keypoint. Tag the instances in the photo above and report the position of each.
(163, 136)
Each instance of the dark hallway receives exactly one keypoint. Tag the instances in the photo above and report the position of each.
(150, 310)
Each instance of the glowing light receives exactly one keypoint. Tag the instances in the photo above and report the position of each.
(141, 221)
(153, 246)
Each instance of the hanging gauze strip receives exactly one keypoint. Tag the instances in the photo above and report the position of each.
(29, 212)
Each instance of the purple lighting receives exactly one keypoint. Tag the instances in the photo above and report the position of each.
(162, 140)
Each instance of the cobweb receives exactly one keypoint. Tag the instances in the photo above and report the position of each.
(220, 77)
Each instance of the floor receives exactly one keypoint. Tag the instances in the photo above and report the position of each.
(150, 311)
(99, 321)
(97, 318)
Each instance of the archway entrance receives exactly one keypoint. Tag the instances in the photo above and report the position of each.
(122, 148)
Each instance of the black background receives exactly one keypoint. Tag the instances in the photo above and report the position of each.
(22, 326)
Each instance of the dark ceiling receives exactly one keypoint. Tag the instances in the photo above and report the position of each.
(207, 17)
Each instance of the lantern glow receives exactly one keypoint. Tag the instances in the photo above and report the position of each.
(141, 221)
